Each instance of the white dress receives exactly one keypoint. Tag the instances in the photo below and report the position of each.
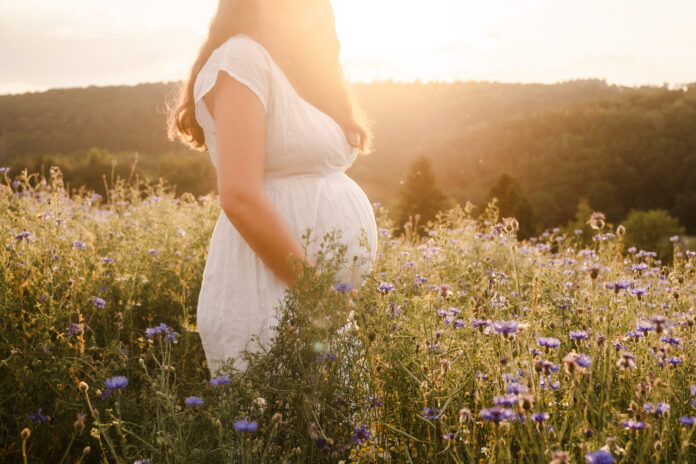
(306, 156)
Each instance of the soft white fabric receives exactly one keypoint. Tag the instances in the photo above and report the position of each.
(306, 156)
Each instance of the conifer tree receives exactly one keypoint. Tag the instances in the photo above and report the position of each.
(420, 195)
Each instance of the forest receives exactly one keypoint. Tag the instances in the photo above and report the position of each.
(560, 146)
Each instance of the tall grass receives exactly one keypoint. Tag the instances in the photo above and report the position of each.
(466, 345)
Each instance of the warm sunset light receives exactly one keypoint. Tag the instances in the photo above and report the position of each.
(623, 41)
(477, 244)
(81, 42)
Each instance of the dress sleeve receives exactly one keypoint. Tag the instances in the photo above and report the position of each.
(242, 59)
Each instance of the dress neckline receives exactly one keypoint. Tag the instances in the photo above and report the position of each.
(287, 81)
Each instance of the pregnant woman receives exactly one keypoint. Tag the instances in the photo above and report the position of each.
(267, 99)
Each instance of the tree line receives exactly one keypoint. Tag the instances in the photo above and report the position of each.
(548, 149)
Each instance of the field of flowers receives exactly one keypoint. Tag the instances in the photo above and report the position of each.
(470, 346)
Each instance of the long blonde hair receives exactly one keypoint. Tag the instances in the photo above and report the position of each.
(314, 71)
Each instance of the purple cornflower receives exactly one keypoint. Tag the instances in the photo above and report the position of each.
(547, 367)
(638, 291)
(670, 340)
(547, 383)
(107, 259)
(431, 413)
(375, 401)
(142, 461)
(98, 302)
(361, 434)
(114, 383)
(548, 342)
(662, 408)
(540, 416)
(516, 388)
(506, 400)
(152, 251)
(458, 323)
(644, 327)
(193, 401)
(79, 244)
(479, 324)
(497, 414)
(385, 287)
(326, 357)
(506, 328)
(693, 390)
(163, 329)
(634, 425)
(343, 286)
(688, 420)
(220, 380)
(75, 329)
(583, 360)
(38, 417)
(24, 235)
(599, 457)
(578, 335)
(320, 442)
(244, 425)
(674, 360)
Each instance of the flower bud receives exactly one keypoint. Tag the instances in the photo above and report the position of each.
(25, 433)
(83, 386)
(79, 423)
(464, 415)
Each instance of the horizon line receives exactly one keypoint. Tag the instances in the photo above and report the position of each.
(664, 84)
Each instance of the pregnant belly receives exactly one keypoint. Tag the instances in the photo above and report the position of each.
(326, 203)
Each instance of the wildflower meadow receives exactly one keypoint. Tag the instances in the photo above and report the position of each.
(465, 345)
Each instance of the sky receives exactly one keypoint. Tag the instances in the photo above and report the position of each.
(75, 43)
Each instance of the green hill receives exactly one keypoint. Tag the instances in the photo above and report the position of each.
(621, 147)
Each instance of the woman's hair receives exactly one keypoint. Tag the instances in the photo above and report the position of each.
(313, 69)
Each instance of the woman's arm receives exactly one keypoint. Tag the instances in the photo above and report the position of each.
(240, 127)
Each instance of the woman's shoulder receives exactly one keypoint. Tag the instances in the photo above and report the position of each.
(242, 58)
(243, 47)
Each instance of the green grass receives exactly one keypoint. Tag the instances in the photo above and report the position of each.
(78, 292)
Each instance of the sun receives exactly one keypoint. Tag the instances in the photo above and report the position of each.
(408, 39)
